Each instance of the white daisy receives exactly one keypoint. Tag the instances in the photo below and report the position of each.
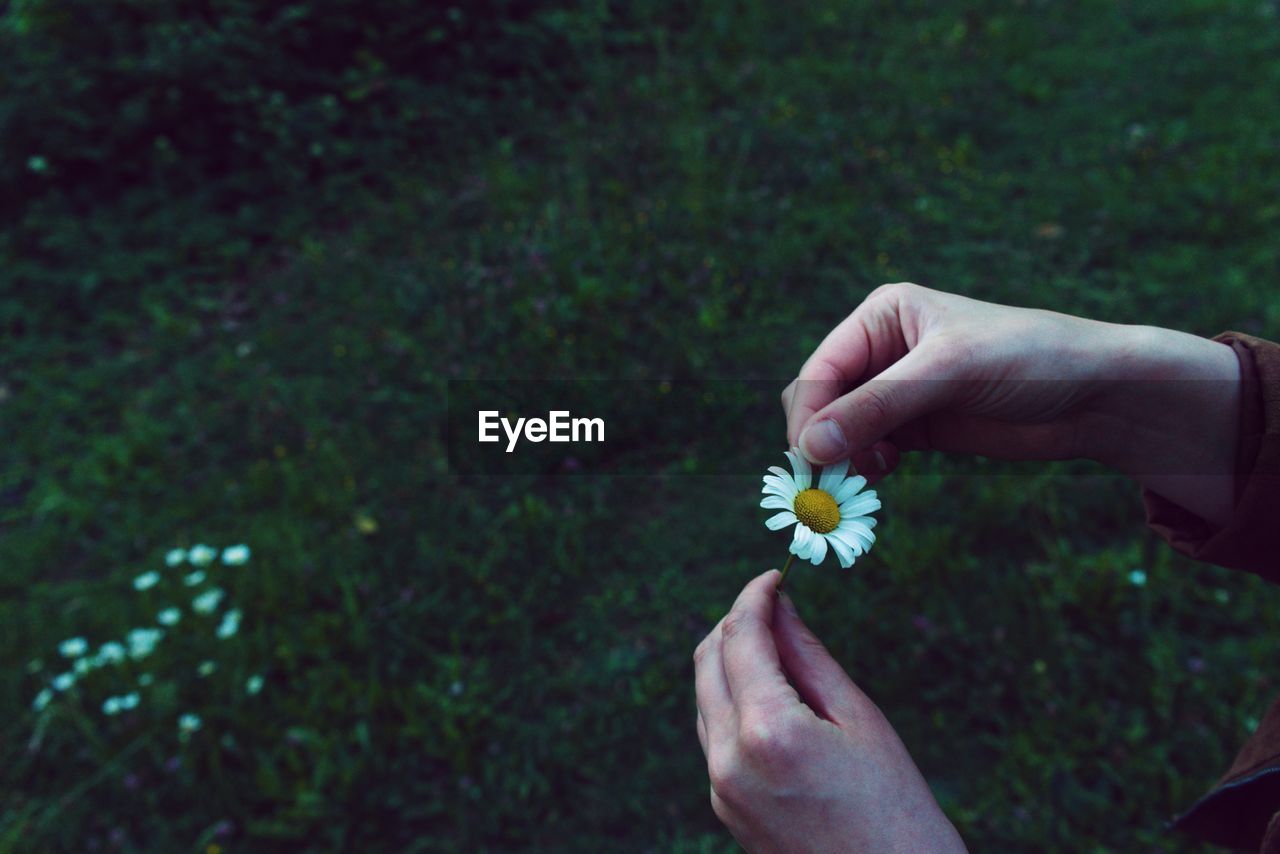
(235, 555)
(174, 557)
(143, 642)
(208, 601)
(187, 724)
(230, 624)
(202, 555)
(64, 681)
(169, 617)
(254, 684)
(834, 512)
(194, 579)
(109, 653)
(73, 647)
(42, 700)
(146, 581)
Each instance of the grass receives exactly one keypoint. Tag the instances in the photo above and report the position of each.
(456, 661)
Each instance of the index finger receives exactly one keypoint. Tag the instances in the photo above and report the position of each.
(861, 345)
(750, 656)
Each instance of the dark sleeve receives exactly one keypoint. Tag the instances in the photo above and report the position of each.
(1251, 540)
(1243, 809)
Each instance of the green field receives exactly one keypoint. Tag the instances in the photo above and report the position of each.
(258, 349)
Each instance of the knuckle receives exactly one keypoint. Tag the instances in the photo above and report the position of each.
(702, 650)
(894, 290)
(735, 622)
(725, 774)
(875, 403)
(809, 640)
(719, 807)
(767, 743)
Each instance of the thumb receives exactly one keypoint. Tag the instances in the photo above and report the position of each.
(817, 677)
(912, 387)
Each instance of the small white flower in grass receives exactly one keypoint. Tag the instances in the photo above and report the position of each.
(201, 555)
(1137, 578)
(208, 601)
(73, 647)
(169, 617)
(146, 581)
(146, 679)
(194, 578)
(130, 701)
(188, 724)
(235, 555)
(42, 700)
(832, 513)
(110, 653)
(230, 624)
(206, 668)
(254, 684)
(111, 706)
(173, 557)
(84, 665)
(143, 642)
(64, 681)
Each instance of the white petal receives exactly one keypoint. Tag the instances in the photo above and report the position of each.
(860, 505)
(776, 502)
(774, 489)
(832, 475)
(782, 473)
(804, 475)
(858, 530)
(844, 554)
(819, 549)
(802, 541)
(778, 486)
(780, 521)
(849, 488)
(850, 539)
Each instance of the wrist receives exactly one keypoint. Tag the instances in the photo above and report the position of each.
(1165, 411)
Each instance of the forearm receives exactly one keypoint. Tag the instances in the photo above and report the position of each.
(1166, 413)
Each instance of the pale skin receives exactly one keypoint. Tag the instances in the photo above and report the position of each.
(799, 758)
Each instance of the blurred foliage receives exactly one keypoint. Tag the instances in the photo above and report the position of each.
(247, 248)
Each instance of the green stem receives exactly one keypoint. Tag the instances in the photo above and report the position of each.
(785, 569)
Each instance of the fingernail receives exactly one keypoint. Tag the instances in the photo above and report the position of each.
(881, 465)
(823, 442)
(788, 605)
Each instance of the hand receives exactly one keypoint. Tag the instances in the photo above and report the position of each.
(799, 758)
(914, 368)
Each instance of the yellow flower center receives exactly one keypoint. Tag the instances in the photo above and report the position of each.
(818, 510)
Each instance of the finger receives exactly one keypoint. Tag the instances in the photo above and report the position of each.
(820, 680)
(702, 734)
(863, 344)
(910, 388)
(788, 395)
(715, 703)
(875, 462)
(751, 665)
